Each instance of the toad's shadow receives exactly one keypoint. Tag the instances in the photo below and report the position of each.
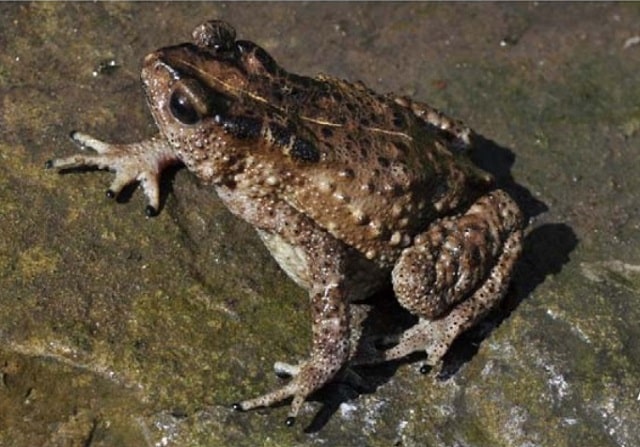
(546, 249)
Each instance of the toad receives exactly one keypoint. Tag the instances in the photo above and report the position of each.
(349, 189)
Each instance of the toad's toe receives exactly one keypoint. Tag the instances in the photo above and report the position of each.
(141, 162)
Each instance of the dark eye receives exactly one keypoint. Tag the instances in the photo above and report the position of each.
(182, 108)
(189, 101)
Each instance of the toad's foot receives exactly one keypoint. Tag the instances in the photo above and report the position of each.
(305, 379)
(431, 337)
(346, 375)
(329, 351)
(142, 162)
(297, 389)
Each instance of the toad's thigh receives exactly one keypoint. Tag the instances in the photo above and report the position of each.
(457, 255)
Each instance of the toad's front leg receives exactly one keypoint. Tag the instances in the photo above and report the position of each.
(328, 354)
(315, 260)
(142, 162)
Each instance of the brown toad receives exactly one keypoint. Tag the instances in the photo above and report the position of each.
(347, 188)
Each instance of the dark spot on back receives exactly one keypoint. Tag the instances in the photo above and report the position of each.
(327, 132)
(242, 126)
(401, 147)
(383, 162)
(305, 151)
(296, 94)
(277, 95)
(280, 134)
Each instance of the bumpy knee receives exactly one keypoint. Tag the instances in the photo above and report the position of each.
(419, 277)
(451, 259)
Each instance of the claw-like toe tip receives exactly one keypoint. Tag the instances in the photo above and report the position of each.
(48, 164)
(290, 421)
(237, 407)
(150, 211)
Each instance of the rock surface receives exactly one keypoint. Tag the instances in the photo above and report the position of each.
(120, 330)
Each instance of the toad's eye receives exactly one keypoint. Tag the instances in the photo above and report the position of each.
(190, 102)
(183, 109)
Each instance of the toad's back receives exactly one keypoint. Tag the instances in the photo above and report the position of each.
(378, 173)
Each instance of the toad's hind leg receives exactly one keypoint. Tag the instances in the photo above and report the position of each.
(455, 273)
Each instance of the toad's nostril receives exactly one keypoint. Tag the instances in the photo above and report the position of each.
(149, 59)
